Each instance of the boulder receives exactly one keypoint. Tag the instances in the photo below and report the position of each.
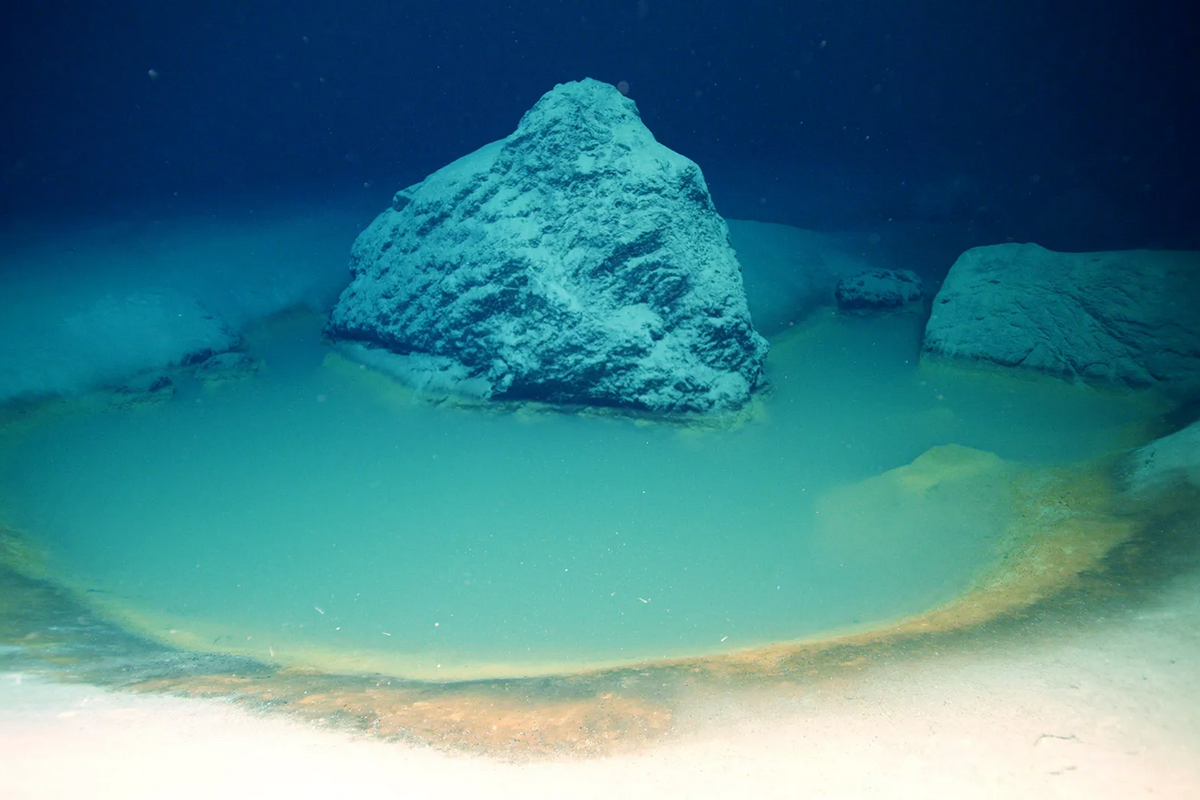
(577, 261)
(1127, 318)
(880, 290)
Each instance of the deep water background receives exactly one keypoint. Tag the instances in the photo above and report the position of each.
(1067, 123)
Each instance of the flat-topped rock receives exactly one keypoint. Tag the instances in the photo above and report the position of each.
(577, 261)
(1129, 318)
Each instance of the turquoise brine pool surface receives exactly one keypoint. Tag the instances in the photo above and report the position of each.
(314, 514)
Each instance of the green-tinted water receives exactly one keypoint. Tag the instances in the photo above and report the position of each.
(314, 514)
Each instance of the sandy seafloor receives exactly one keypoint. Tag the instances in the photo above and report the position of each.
(1092, 695)
(1105, 710)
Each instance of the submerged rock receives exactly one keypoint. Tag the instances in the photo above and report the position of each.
(880, 290)
(1129, 318)
(577, 261)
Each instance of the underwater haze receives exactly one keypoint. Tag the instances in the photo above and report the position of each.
(1064, 123)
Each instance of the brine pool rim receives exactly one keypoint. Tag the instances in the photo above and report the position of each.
(1131, 576)
(645, 693)
(145, 622)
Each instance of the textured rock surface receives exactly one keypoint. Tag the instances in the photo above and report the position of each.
(1129, 318)
(576, 261)
(880, 290)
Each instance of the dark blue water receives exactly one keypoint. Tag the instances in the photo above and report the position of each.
(1065, 123)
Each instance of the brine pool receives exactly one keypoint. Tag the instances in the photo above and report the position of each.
(316, 514)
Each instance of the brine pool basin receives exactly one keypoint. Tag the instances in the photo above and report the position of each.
(319, 515)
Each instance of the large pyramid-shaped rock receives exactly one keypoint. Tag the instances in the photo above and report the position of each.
(577, 261)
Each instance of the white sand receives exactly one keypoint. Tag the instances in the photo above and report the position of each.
(1111, 712)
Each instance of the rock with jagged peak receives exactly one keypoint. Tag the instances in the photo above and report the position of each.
(577, 261)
